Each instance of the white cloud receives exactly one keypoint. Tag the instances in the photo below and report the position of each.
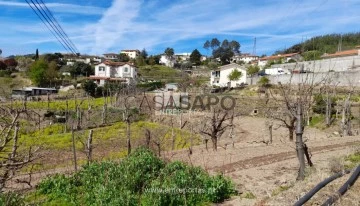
(59, 7)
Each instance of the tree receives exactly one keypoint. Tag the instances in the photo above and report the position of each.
(51, 73)
(207, 45)
(81, 68)
(36, 55)
(2, 65)
(293, 107)
(124, 57)
(263, 81)
(252, 70)
(234, 75)
(224, 54)
(225, 44)
(143, 53)
(215, 43)
(140, 61)
(11, 63)
(24, 63)
(37, 72)
(215, 125)
(89, 87)
(235, 46)
(169, 52)
(195, 57)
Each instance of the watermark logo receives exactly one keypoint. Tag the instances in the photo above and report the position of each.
(175, 103)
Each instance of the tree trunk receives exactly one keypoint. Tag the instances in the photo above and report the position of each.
(89, 147)
(328, 111)
(128, 136)
(299, 143)
(214, 142)
(270, 132)
(291, 133)
(74, 148)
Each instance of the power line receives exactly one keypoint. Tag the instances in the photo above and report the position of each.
(46, 25)
(44, 17)
(60, 27)
(55, 27)
(52, 26)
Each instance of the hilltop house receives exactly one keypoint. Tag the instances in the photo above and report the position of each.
(167, 61)
(123, 72)
(283, 57)
(132, 53)
(111, 56)
(247, 58)
(219, 76)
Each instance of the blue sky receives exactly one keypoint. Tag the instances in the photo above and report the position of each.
(102, 26)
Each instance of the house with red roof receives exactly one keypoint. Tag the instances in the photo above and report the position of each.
(109, 71)
(283, 57)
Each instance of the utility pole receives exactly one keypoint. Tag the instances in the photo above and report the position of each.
(254, 48)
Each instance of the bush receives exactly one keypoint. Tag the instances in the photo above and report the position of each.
(5, 73)
(140, 179)
(11, 199)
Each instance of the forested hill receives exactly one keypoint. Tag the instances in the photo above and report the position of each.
(326, 43)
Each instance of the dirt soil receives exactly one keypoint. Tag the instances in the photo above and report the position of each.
(267, 171)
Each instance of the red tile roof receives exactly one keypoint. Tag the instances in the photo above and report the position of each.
(111, 63)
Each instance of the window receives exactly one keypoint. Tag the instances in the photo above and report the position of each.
(126, 69)
(101, 69)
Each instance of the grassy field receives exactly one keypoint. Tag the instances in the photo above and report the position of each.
(161, 73)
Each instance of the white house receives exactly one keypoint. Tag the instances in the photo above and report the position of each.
(114, 71)
(220, 76)
(167, 61)
(111, 56)
(132, 53)
(283, 57)
(247, 58)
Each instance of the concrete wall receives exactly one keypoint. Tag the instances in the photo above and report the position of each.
(335, 64)
(349, 78)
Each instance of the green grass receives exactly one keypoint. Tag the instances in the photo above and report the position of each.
(53, 137)
(280, 190)
(352, 160)
(161, 73)
(248, 195)
(317, 121)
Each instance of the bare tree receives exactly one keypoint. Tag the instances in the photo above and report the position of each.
(215, 124)
(14, 158)
(295, 104)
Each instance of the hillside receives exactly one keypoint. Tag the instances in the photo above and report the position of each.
(326, 43)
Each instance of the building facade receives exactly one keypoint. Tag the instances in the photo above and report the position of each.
(220, 76)
(122, 72)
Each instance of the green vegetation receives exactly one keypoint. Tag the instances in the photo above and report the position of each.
(140, 179)
(252, 70)
(326, 43)
(264, 81)
(280, 189)
(234, 75)
(317, 121)
(53, 137)
(248, 195)
(353, 160)
(161, 73)
(11, 199)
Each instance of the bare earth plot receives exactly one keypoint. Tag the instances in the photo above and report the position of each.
(268, 172)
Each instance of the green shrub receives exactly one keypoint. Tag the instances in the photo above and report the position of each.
(11, 199)
(142, 178)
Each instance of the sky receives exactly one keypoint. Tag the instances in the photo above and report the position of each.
(102, 26)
